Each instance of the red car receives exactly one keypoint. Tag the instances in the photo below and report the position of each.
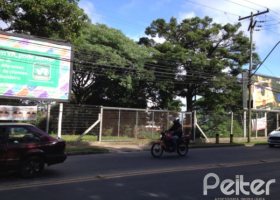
(26, 149)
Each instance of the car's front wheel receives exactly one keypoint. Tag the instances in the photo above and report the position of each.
(32, 166)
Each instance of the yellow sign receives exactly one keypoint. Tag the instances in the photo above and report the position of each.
(266, 92)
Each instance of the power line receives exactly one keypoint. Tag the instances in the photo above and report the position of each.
(251, 8)
(206, 6)
(262, 6)
(242, 5)
(93, 55)
(159, 76)
(162, 68)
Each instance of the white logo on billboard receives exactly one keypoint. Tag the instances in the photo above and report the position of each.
(41, 72)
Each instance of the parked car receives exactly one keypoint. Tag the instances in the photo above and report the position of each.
(27, 149)
(274, 138)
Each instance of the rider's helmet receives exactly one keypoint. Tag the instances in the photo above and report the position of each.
(176, 121)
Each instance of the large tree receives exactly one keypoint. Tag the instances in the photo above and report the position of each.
(60, 19)
(199, 58)
(109, 69)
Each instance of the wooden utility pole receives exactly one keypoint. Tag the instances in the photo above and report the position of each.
(250, 100)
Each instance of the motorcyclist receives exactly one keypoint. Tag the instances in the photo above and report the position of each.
(176, 131)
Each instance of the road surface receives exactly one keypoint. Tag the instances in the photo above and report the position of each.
(136, 175)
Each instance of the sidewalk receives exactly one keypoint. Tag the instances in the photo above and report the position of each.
(123, 147)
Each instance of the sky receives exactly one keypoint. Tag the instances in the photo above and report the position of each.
(133, 16)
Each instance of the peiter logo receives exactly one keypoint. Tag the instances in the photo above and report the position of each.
(236, 187)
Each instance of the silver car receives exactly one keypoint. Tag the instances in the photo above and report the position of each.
(274, 138)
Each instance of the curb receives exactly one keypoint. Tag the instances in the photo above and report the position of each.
(118, 149)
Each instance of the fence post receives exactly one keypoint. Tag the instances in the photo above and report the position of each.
(153, 122)
(265, 131)
(231, 124)
(60, 120)
(100, 124)
(231, 129)
(48, 117)
(167, 121)
(136, 125)
(256, 124)
(119, 122)
(231, 138)
(277, 120)
(193, 124)
(244, 124)
(217, 138)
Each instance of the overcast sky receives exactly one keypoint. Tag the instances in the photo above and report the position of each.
(133, 16)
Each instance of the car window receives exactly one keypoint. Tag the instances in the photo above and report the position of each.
(21, 135)
(3, 134)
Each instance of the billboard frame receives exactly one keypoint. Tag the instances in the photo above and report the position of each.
(51, 41)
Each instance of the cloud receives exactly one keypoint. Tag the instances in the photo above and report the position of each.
(224, 11)
(136, 38)
(128, 6)
(159, 40)
(3, 25)
(90, 10)
(185, 15)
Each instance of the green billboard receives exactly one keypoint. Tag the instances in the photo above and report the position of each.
(34, 69)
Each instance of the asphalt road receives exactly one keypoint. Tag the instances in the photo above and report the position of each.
(136, 175)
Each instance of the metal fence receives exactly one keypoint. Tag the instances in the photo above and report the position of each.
(113, 124)
(129, 123)
(75, 118)
(236, 124)
(123, 124)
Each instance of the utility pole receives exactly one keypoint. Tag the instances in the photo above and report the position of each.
(251, 29)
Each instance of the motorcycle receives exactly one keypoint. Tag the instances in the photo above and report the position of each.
(166, 144)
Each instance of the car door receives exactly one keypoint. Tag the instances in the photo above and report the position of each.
(20, 141)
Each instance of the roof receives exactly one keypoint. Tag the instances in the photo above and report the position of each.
(14, 123)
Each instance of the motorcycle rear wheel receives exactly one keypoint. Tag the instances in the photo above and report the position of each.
(156, 150)
(182, 149)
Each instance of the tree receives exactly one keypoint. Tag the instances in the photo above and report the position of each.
(200, 58)
(109, 69)
(59, 19)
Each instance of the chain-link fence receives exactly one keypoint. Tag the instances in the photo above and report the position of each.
(114, 124)
(124, 124)
(220, 123)
(225, 124)
(75, 119)
(128, 123)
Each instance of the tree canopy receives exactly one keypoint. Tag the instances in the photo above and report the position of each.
(109, 68)
(199, 58)
(60, 19)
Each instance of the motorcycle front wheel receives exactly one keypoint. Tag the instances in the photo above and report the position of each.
(156, 150)
(182, 149)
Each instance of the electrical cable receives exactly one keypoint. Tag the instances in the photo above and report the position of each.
(104, 65)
